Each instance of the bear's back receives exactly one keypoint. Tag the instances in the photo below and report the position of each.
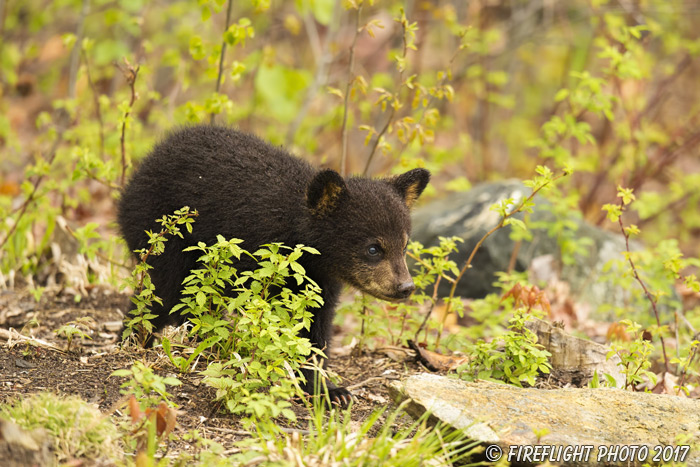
(241, 186)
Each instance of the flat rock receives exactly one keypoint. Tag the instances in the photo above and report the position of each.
(602, 418)
(20, 447)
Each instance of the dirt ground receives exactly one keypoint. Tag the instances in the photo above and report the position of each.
(85, 370)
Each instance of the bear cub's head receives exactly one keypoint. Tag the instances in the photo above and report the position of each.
(361, 226)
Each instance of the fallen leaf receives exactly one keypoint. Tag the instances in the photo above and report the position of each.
(434, 361)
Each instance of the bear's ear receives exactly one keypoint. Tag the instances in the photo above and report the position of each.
(325, 192)
(410, 185)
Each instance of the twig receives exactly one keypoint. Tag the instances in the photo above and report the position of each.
(351, 78)
(433, 97)
(92, 176)
(514, 256)
(323, 60)
(430, 310)
(365, 314)
(392, 112)
(229, 431)
(130, 73)
(369, 380)
(380, 135)
(690, 361)
(221, 57)
(641, 282)
(14, 337)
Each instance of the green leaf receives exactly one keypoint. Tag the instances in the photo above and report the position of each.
(561, 95)
(201, 298)
(516, 223)
(626, 195)
(614, 211)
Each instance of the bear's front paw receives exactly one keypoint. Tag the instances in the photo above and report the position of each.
(340, 396)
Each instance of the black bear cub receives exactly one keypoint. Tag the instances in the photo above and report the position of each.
(245, 188)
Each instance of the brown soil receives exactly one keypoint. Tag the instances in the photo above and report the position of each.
(27, 367)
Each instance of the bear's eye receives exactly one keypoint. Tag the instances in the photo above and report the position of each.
(374, 250)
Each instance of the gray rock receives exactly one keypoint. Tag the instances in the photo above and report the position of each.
(467, 215)
(509, 417)
(20, 447)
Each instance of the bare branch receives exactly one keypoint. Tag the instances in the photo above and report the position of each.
(323, 61)
(348, 86)
(130, 73)
(652, 300)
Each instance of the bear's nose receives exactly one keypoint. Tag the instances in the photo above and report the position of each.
(406, 288)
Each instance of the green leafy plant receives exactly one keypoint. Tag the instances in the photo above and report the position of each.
(151, 412)
(148, 387)
(433, 266)
(514, 357)
(248, 324)
(506, 209)
(685, 364)
(140, 325)
(72, 329)
(670, 265)
(634, 356)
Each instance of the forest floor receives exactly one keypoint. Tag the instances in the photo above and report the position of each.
(44, 364)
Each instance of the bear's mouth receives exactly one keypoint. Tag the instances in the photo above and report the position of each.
(389, 298)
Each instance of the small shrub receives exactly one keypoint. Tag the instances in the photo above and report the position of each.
(249, 324)
(514, 357)
(151, 413)
(634, 356)
(72, 329)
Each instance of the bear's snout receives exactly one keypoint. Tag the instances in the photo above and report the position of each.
(405, 289)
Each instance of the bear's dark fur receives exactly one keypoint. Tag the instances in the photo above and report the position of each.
(245, 188)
